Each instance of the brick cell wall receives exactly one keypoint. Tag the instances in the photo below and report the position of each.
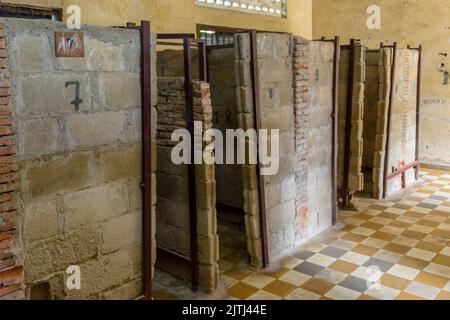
(80, 171)
(277, 112)
(302, 111)
(402, 150)
(11, 270)
(172, 222)
(384, 91)
(298, 197)
(320, 136)
(356, 177)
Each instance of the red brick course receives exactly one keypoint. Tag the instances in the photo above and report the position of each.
(301, 103)
(11, 274)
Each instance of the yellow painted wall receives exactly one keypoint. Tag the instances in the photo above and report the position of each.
(183, 15)
(413, 22)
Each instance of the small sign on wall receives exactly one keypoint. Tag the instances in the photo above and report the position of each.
(69, 44)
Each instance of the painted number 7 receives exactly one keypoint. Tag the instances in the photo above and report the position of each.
(77, 101)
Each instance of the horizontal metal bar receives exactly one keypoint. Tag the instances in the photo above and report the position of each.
(219, 46)
(172, 255)
(165, 43)
(172, 36)
(402, 170)
(229, 208)
(175, 44)
(198, 41)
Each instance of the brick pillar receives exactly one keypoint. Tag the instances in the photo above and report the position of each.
(384, 87)
(208, 239)
(356, 177)
(11, 271)
(302, 109)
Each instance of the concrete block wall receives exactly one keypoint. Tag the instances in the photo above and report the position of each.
(299, 104)
(356, 177)
(171, 62)
(11, 258)
(223, 96)
(172, 221)
(277, 112)
(320, 186)
(402, 147)
(80, 170)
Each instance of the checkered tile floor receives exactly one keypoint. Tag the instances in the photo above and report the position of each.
(395, 249)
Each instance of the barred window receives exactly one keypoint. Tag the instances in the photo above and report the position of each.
(277, 8)
(217, 35)
(30, 12)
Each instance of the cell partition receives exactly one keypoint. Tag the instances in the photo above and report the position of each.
(401, 166)
(266, 92)
(378, 120)
(352, 76)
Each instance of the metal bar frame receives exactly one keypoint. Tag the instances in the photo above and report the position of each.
(146, 105)
(415, 165)
(389, 118)
(188, 41)
(219, 46)
(189, 96)
(335, 121)
(175, 36)
(403, 169)
(348, 124)
(173, 256)
(419, 88)
(257, 120)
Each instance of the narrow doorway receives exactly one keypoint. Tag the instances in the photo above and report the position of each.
(229, 180)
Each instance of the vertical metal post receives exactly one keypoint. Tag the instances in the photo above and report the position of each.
(334, 116)
(389, 119)
(146, 103)
(257, 120)
(203, 69)
(348, 123)
(419, 85)
(189, 96)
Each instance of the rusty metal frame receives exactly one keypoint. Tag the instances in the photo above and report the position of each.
(389, 117)
(174, 36)
(335, 119)
(146, 105)
(188, 41)
(419, 88)
(402, 171)
(416, 164)
(257, 120)
(345, 190)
